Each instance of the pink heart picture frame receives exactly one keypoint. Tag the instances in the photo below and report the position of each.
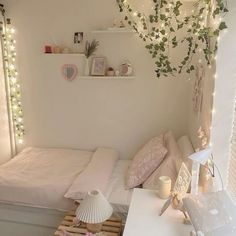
(69, 71)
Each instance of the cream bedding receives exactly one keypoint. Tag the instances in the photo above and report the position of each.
(96, 175)
(41, 177)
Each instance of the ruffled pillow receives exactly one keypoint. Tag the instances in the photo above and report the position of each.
(146, 161)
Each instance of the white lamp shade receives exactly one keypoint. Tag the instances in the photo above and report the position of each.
(201, 156)
(94, 209)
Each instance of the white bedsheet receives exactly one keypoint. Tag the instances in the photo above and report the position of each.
(116, 193)
(41, 177)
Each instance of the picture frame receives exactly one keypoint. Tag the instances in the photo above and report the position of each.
(69, 72)
(78, 37)
(98, 66)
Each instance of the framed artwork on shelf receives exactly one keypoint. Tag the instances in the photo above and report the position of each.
(98, 66)
(78, 37)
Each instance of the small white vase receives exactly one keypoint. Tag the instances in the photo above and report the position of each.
(86, 67)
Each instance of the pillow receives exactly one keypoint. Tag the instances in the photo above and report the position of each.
(169, 167)
(186, 149)
(95, 176)
(146, 161)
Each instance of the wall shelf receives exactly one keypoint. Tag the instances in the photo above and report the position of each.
(65, 54)
(108, 77)
(114, 31)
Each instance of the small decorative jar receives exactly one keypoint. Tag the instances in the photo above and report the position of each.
(110, 72)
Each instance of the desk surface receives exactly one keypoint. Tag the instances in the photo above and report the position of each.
(143, 217)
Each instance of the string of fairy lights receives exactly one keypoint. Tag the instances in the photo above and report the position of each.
(12, 78)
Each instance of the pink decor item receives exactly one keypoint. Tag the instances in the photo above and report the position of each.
(47, 49)
(146, 161)
(169, 167)
(69, 71)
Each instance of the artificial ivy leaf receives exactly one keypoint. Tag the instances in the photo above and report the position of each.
(162, 17)
(226, 10)
(163, 32)
(192, 67)
(216, 12)
(164, 39)
(222, 26)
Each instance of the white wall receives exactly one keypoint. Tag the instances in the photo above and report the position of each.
(225, 92)
(90, 113)
(5, 148)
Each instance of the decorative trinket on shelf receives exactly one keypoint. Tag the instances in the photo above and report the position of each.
(78, 37)
(66, 50)
(57, 49)
(126, 69)
(48, 49)
(110, 72)
(98, 66)
(69, 71)
(90, 49)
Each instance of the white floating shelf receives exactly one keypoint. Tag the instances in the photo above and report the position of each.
(108, 77)
(65, 54)
(123, 31)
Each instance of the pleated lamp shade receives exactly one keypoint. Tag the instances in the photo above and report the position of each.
(94, 209)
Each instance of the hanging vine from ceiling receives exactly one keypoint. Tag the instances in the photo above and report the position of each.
(166, 28)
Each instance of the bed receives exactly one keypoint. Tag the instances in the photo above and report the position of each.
(34, 186)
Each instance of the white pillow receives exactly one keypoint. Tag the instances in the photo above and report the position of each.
(95, 176)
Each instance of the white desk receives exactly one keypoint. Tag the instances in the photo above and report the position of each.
(143, 217)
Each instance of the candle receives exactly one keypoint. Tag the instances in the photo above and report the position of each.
(164, 187)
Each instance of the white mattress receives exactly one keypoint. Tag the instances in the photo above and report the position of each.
(41, 177)
(117, 195)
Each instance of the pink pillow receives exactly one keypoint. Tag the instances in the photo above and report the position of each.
(146, 161)
(170, 166)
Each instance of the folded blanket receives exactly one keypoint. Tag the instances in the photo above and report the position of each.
(95, 176)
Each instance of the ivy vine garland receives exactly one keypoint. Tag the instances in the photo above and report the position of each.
(160, 31)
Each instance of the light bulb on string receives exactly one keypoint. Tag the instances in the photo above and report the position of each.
(9, 53)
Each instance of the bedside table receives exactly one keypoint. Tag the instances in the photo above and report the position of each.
(143, 217)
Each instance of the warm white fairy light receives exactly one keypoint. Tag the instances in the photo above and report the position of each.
(9, 52)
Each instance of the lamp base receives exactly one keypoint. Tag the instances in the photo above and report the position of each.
(94, 228)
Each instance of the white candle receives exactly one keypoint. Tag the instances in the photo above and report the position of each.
(164, 187)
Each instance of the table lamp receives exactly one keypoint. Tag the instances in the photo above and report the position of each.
(94, 210)
(198, 158)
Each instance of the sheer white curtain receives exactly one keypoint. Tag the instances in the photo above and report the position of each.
(232, 164)
(5, 144)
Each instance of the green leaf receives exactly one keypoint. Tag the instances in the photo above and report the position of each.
(222, 26)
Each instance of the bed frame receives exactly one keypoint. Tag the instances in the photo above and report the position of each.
(28, 221)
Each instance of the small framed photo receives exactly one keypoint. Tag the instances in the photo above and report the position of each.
(98, 66)
(78, 37)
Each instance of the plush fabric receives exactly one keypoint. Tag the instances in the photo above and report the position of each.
(146, 161)
(169, 167)
(96, 175)
(40, 177)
